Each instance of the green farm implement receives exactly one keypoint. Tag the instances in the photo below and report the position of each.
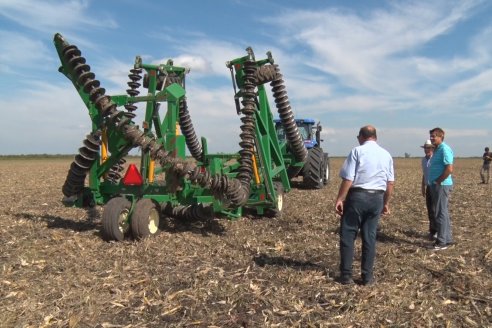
(166, 182)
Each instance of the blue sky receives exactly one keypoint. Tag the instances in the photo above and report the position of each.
(403, 66)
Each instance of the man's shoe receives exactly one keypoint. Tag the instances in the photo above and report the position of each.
(439, 247)
(369, 282)
(432, 236)
(346, 280)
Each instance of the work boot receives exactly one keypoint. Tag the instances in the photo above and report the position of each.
(345, 280)
(368, 280)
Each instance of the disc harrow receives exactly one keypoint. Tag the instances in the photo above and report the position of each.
(255, 177)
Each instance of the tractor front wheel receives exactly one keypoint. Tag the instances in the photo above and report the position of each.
(314, 169)
(115, 219)
(326, 166)
(145, 219)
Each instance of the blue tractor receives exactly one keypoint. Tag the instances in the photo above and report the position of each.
(316, 168)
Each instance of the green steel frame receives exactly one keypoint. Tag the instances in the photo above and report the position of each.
(270, 161)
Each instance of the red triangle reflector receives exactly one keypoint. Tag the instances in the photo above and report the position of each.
(132, 176)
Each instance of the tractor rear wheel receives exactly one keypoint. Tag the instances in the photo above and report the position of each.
(115, 219)
(277, 211)
(145, 219)
(313, 171)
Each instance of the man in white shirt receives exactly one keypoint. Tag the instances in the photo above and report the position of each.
(367, 183)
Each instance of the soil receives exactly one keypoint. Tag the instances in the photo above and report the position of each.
(57, 271)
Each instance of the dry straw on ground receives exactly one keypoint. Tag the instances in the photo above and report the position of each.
(56, 271)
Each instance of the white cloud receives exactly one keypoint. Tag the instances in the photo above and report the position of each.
(210, 56)
(467, 95)
(49, 15)
(373, 52)
(43, 118)
(398, 141)
(345, 67)
(197, 64)
(17, 48)
(113, 74)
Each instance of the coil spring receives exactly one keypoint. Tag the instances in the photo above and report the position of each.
(173, 78)
(114, 173)
(247, 134)
(265, 74)
(85, 78)
(191, 212)
(235, 192)
(223, 187)
(74, 183)
(287, 117)
(135, 76)
(188, 131)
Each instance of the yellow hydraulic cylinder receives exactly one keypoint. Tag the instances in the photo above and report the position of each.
(151, 170)
(104, 147)
(255, 170)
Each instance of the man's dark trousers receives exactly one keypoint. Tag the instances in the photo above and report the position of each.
(430, 211)
(362, 210)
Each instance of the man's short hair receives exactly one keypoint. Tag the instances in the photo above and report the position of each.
(486, 148)
(438, 132)
(367, 132)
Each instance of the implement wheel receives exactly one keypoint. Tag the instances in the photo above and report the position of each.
(115, 219)
(145, 219)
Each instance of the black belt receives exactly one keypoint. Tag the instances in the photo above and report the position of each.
(369, 191)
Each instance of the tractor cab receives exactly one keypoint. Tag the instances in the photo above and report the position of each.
(309, 130)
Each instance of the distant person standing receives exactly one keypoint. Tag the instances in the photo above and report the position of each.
(428, 150)
(441, 184)
(484, 171)
(367, 183)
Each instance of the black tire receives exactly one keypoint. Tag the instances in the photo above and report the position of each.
(145, 219)
(293, 171)
(116, 220)
(277, 211)
(313, 169)
(326, 167)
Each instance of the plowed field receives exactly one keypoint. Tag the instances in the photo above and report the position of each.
(56, 271)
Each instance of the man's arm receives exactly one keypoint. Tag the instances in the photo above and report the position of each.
(447, 171)
(423, 185)
(342, 194)
(387, 196)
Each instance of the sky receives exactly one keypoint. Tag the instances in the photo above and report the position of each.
(403, 66)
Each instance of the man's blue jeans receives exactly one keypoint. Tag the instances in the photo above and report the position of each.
(362, 211)
(440, 199)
